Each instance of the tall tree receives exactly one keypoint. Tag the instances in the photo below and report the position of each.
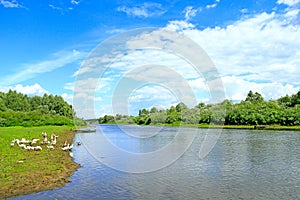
(254, 96)
(295, 99)
(181, 107)
(2, 105)
(285, 101)
(153, 110)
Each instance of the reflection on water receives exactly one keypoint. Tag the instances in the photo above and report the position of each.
(245, 164)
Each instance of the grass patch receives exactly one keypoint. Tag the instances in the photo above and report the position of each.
(24, 172)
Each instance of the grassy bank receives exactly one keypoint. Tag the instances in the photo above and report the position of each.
(263, 127)
(23, 171)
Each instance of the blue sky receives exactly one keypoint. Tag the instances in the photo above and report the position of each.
(254, 45)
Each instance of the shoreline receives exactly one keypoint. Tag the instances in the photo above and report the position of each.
(248, 127)
(39, 170)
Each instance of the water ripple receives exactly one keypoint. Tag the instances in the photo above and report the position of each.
(244, 164)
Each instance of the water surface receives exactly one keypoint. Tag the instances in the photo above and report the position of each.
(244, 164)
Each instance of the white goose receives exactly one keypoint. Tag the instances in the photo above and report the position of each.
(12, 143)
(51, 147)
(53, 139)
(38, 148)
(68, 147)
(33, 141)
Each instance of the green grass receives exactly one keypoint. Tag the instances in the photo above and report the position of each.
(40, 169)
(267, 127)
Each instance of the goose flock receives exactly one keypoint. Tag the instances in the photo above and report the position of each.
(32, 144)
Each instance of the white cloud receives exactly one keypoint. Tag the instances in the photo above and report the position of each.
(144, 10)
(89, 65)
(260, 52)
(288, 2)
(147, 97)
(63, 8)
(28, 71)
(31, 90)
(244, 10)
(179, 26)
(266, 45)
(144, 60)
(190, 12)
(55, 7)
(69, 86)
(198, 84)
(209, 6)
(150, 93)
(75, 2)
(90, 85)
(237, 88)
(86, 94)
(115, 31)
(68, 97)
(10, 4)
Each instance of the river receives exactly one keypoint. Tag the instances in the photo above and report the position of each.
(244, 164)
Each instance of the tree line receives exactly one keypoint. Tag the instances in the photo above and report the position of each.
(17, 109)
(254, 110)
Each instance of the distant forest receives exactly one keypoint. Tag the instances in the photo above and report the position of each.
(254, 110)
(17, 109)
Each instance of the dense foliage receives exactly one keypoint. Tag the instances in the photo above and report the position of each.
(17, 109)
(253, 111)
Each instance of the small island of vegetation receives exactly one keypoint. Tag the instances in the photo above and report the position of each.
(253, 112)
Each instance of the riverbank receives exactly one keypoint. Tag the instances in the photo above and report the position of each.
(257, 127)
(254, 127)
(24, 172)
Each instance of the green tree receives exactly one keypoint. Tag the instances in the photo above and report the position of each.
(254, 97)
(295, 99)
(158, 117)
(200, 105)
(17, 109)
(35, 102)
(173, 116)
(143, 112)
(153, 110)
(16, 101)
(181, 107)
(106, 119)
(205, 114)
(143, 118)
(2, 105)
(285, 101)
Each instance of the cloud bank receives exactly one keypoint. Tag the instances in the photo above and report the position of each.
(259, 52)
(10, 4)
(144, 10)
(30, 90)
